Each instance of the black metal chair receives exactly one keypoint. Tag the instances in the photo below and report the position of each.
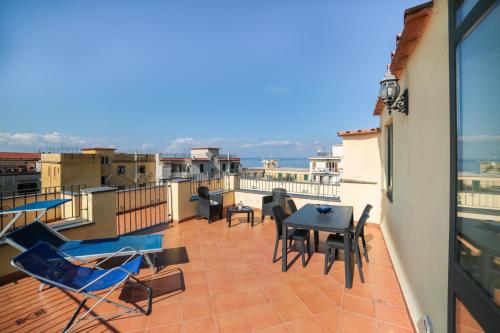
(298, 236)
(367, 210)
(277, 198)
(292, 206)
(209, 205)
(335, 241)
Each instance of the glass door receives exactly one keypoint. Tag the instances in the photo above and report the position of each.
(475, 222)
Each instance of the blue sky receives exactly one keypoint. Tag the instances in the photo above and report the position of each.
(258, 78)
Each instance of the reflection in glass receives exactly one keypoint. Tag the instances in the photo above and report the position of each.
(464, 322)
(463, 8)
(478, 183)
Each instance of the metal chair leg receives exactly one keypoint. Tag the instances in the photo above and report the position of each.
(358, 261)
(365, 250)
(275, 249)
(303, 252)
(328, 252)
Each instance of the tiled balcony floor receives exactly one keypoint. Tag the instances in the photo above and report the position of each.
(230, 286)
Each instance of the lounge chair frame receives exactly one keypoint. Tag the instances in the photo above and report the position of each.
(74, 320)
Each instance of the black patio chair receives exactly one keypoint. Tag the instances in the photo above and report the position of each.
(209, 205)
(298, 235)
(335, 241)
(277, 198)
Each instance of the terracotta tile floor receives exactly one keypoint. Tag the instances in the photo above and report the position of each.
(230, 286)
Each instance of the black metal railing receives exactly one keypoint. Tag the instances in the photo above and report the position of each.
(140, 207)
(214, 181)
(74, 208)
(293, 187)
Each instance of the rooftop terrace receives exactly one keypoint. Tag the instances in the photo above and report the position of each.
(220, 279)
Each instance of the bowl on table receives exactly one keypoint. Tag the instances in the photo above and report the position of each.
(324, 209)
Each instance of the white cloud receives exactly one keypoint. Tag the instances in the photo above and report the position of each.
(480, 138)
(40, 140)
(272, 144)
(185, 143)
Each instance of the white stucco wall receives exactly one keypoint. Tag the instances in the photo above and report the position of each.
(416, 224)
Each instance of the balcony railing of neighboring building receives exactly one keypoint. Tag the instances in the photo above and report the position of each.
(327, 154)
(175, 155)
(325, 170)
(180, 175)
(223, 156)
(215, 181)
(76, 208)
(292, 187)
(141, 206)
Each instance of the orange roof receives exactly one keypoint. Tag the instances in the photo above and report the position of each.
(359, 131)
(415, 20)
(19, 156)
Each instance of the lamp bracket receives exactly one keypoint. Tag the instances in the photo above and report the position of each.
(401, 105)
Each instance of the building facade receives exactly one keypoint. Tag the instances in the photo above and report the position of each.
(207, 162)
(97, 167)
(326, 167)
(438, 216)
(19, 172)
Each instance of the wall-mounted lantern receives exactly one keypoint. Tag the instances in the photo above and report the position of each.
(389, 92)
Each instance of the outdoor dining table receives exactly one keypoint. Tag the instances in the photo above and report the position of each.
(339, 220)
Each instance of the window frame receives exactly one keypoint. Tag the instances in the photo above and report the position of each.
(390, 161)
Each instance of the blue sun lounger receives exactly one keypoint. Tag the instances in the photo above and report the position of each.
(50, 266)
(28, 236)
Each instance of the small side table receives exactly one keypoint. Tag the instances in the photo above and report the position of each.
(236, 210)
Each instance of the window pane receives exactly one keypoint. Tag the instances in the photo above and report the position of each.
(478, 183)
(463, 8)
(390, 158)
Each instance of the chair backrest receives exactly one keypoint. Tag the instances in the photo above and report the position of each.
(361, 224)
(367, 209)
(42, 262)
(203, 192)
(292, 206)
(279, 217)
(28, 236)
(279, 195)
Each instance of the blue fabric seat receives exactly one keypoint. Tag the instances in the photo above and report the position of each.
(28, 236)
(45, 263)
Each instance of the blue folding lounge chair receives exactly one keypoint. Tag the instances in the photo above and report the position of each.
(50, 266)
(28, 236)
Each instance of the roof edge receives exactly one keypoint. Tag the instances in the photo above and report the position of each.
(359, 131)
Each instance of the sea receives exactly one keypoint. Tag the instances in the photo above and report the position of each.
(255, 162)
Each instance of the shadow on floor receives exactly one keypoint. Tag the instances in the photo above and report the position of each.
(168, 257)
(165, 284)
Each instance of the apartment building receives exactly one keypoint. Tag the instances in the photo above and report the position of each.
(325, 167)
(19, 172)
(97, 167)
(208, 161)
